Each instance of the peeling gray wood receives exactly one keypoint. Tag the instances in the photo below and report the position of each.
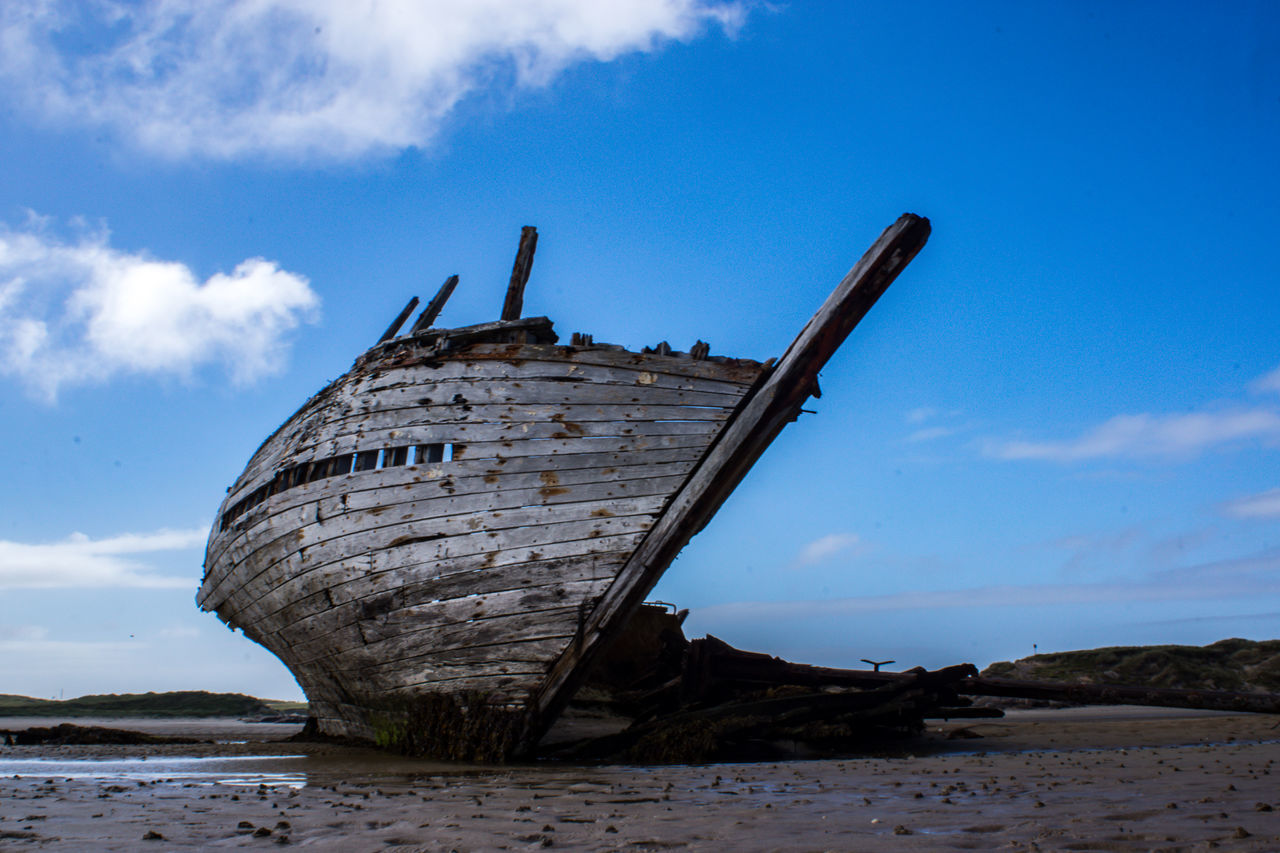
(446, 498)
(532, 529)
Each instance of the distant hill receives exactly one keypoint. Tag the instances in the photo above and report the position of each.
(1239, 665)
(184, 703)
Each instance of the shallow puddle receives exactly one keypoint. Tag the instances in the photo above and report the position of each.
(252, 770)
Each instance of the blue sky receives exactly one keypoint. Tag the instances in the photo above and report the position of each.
(1060, 428)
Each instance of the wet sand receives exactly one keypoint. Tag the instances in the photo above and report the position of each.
(1078, 779)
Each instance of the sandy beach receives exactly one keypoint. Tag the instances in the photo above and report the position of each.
(1075, 779)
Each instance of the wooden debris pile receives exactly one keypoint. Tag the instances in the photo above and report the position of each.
(705, 700)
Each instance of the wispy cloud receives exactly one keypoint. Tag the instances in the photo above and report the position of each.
(1263, 505)
(1251, 576)
(81, 312)
(1267, 383)
(1183, 435)
(1092, 551)
(1149, 436)
(929, 434)
(80, 562)
(222, 78)
(825, 548)
(931, 424)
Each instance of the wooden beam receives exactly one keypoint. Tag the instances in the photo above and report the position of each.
(772, 403)
(398, 321)
(514, 303)
(435, 306)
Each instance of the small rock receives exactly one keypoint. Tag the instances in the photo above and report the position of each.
(152, 835)
(901, 830)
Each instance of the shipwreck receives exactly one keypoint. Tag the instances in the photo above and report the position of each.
(450, 542)
(442, 542)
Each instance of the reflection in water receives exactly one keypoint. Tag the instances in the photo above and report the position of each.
(270, 770)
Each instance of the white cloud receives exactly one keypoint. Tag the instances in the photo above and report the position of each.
(82, 312)
(920, 415)
(1147, 435)
(825, 548)
(222, 78)
(1263, 505)
(929, 434)
(1268, 382)
(80, 562)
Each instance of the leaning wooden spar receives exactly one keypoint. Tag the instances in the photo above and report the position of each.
(440, 543)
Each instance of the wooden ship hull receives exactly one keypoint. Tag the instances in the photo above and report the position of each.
(441, 542)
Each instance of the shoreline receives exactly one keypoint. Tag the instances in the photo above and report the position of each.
(1083, 778)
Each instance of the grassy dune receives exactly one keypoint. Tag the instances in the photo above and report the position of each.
(185, 703)
(1239, 665)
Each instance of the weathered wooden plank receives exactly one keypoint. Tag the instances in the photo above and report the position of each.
(263, 601)
(315, 593)
(423, 665)
(461, 469)
(438, 627)
(534, 529)
(316, 588)
(447, 498)
(577, 363)
(391, 487)
(486, 441)
(548, 375)
(444, 496)
(464, 423)
(435, 306)
(373, 613)
(370, 593)
(342, 395)
(514, 363)
(771, 405)
(508, 682)
(365, 530)
(381, 678)
(550, 483)
(399, 320)
(495, 391)
(464, 411)
(514, 302)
